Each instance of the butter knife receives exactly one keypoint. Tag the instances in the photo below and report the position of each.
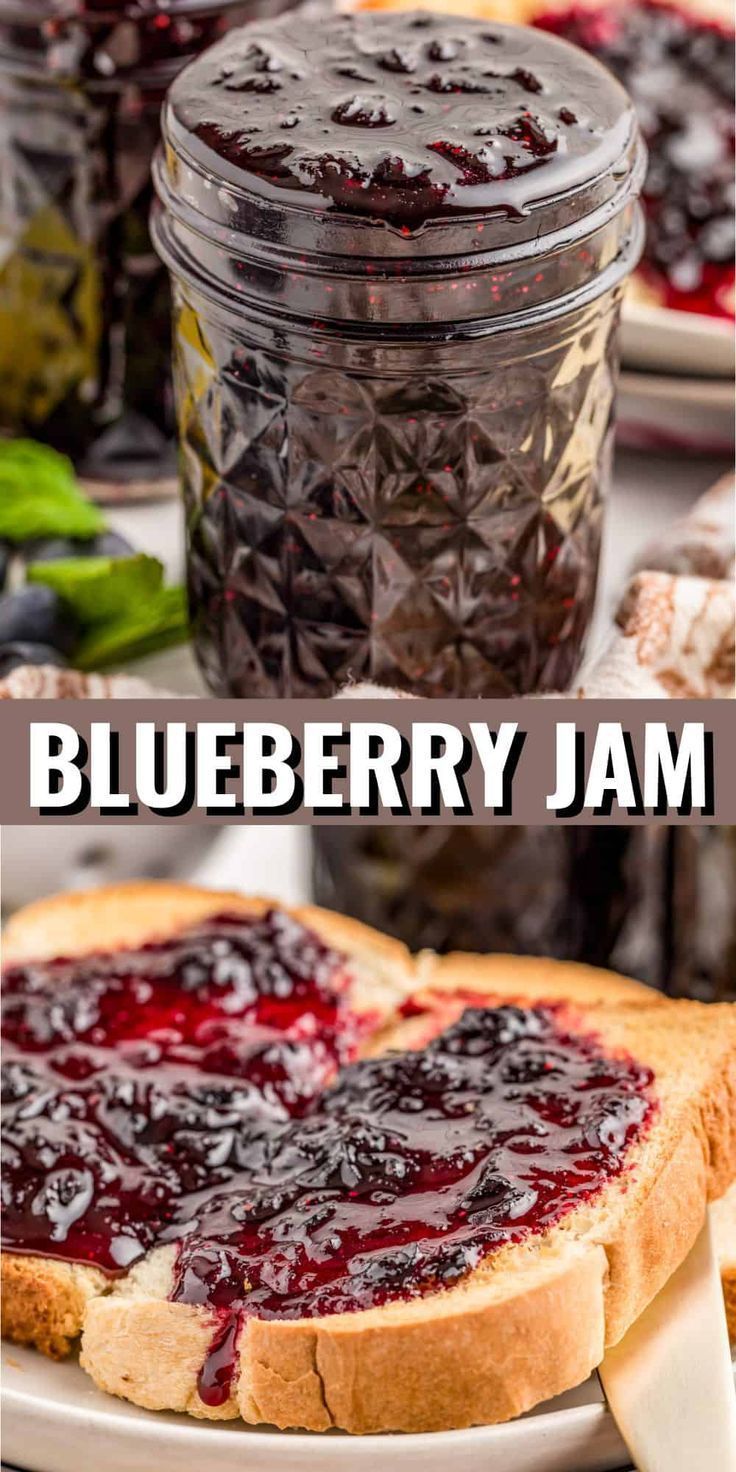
(669, 1382)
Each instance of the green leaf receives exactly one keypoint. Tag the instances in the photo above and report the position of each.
(40, 495)
(97, 589)
(156, 624)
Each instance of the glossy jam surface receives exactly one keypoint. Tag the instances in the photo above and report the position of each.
(679, 70)
(394, 396)
(413, 1165)
(410, 1170)
(405, 118)
(202, 1092)
(132, 1080)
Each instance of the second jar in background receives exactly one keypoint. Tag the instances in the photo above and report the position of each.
(84, 303)
(655, 903)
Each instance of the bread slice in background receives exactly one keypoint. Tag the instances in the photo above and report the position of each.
(534, 1319)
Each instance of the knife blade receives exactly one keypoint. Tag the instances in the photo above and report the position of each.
(669, 1381)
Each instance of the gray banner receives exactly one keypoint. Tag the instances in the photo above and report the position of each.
(444, 761)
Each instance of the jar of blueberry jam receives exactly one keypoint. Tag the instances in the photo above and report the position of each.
(398, 245)
(603, 896)
(84, 304)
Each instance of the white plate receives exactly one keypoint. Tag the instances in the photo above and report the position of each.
(669, 413)
(55, 1420)
(663, 341)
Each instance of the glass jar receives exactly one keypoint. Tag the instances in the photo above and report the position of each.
(398, 246)
(593, 894)
(655, 903)
(704, 914)
(84, 301)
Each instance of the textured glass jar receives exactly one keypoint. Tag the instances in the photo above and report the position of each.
(599, 895)
(651, 902)
(395, 360)
(84, 302)
(704, 914)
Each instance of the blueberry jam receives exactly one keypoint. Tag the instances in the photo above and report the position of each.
(133, 1080)
(398, 245)
(405, 119)
(409, 1171)
(679, 70)
(205, 1092)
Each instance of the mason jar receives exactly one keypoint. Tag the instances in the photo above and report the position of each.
(398, 246)
(656, 903)
(84, 302)
(601, 895)
(704, 913)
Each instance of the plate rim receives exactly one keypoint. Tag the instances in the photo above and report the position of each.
(650, 314)
(588, 1417)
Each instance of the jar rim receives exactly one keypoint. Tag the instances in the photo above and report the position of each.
(566, 235)
(220, 206)
(207, 127)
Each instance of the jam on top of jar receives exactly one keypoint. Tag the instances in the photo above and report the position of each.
(204, 1091)
(403, 117)
(130, 1080)
(679, 71)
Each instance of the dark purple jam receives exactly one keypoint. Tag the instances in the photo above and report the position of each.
(398, 244)
(406, 118)
(410, 1170)
(679, 70)
(201, 1091)
(132, 1080)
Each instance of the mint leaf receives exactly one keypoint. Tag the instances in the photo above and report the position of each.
(40, 495)
(97, 589)
(156, 624)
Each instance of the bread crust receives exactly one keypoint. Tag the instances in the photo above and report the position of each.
(479, 1353)
(44, 1302)
(128, 914)
(535, 978)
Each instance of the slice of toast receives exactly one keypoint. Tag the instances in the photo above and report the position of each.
(532, 1320)
(44, 1301)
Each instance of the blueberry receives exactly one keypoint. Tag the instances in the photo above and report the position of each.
(52, 549)
(716, 239)
(35, 615)
(18, 653)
